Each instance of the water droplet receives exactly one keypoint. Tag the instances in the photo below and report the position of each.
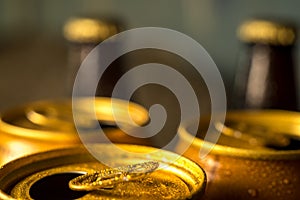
(286, 181)
(253, 192)
(278, 193)
(278, 174)
(228, 173)
(270, 186)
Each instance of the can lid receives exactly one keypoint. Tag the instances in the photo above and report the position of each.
(268, 134)
(266, 31)
(88, 30)
(44, 119)
(166, 177)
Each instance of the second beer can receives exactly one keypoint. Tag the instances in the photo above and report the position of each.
(256, 157)
(44, 125)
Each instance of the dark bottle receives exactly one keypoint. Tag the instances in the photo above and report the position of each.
(83, 35)
(265, 78)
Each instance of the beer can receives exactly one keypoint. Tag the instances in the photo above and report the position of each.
(256, 157)
(44, 125)
(50, 175)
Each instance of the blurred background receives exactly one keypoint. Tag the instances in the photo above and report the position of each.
(33, 51)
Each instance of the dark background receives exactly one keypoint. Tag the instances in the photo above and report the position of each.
(33, 51)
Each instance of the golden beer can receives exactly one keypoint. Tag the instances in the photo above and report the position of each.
(44, 125)
(149, 174)
(256, 157)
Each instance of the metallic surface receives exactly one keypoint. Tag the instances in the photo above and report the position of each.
(256, 157)
(44, 125)
(182, 179)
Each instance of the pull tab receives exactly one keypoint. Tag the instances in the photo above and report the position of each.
(110, 177)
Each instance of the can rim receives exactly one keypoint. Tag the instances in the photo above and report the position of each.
(268, 116)
(23, 132)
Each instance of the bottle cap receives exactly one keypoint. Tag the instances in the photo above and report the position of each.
(88, 30)
(268, 32)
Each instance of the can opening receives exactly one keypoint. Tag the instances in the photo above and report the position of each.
(55, 187)
(293, 144)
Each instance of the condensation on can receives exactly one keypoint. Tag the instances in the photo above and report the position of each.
(256, 157)
(45, 125)
(46, 175)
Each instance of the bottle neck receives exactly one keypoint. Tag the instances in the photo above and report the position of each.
(267, 78)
